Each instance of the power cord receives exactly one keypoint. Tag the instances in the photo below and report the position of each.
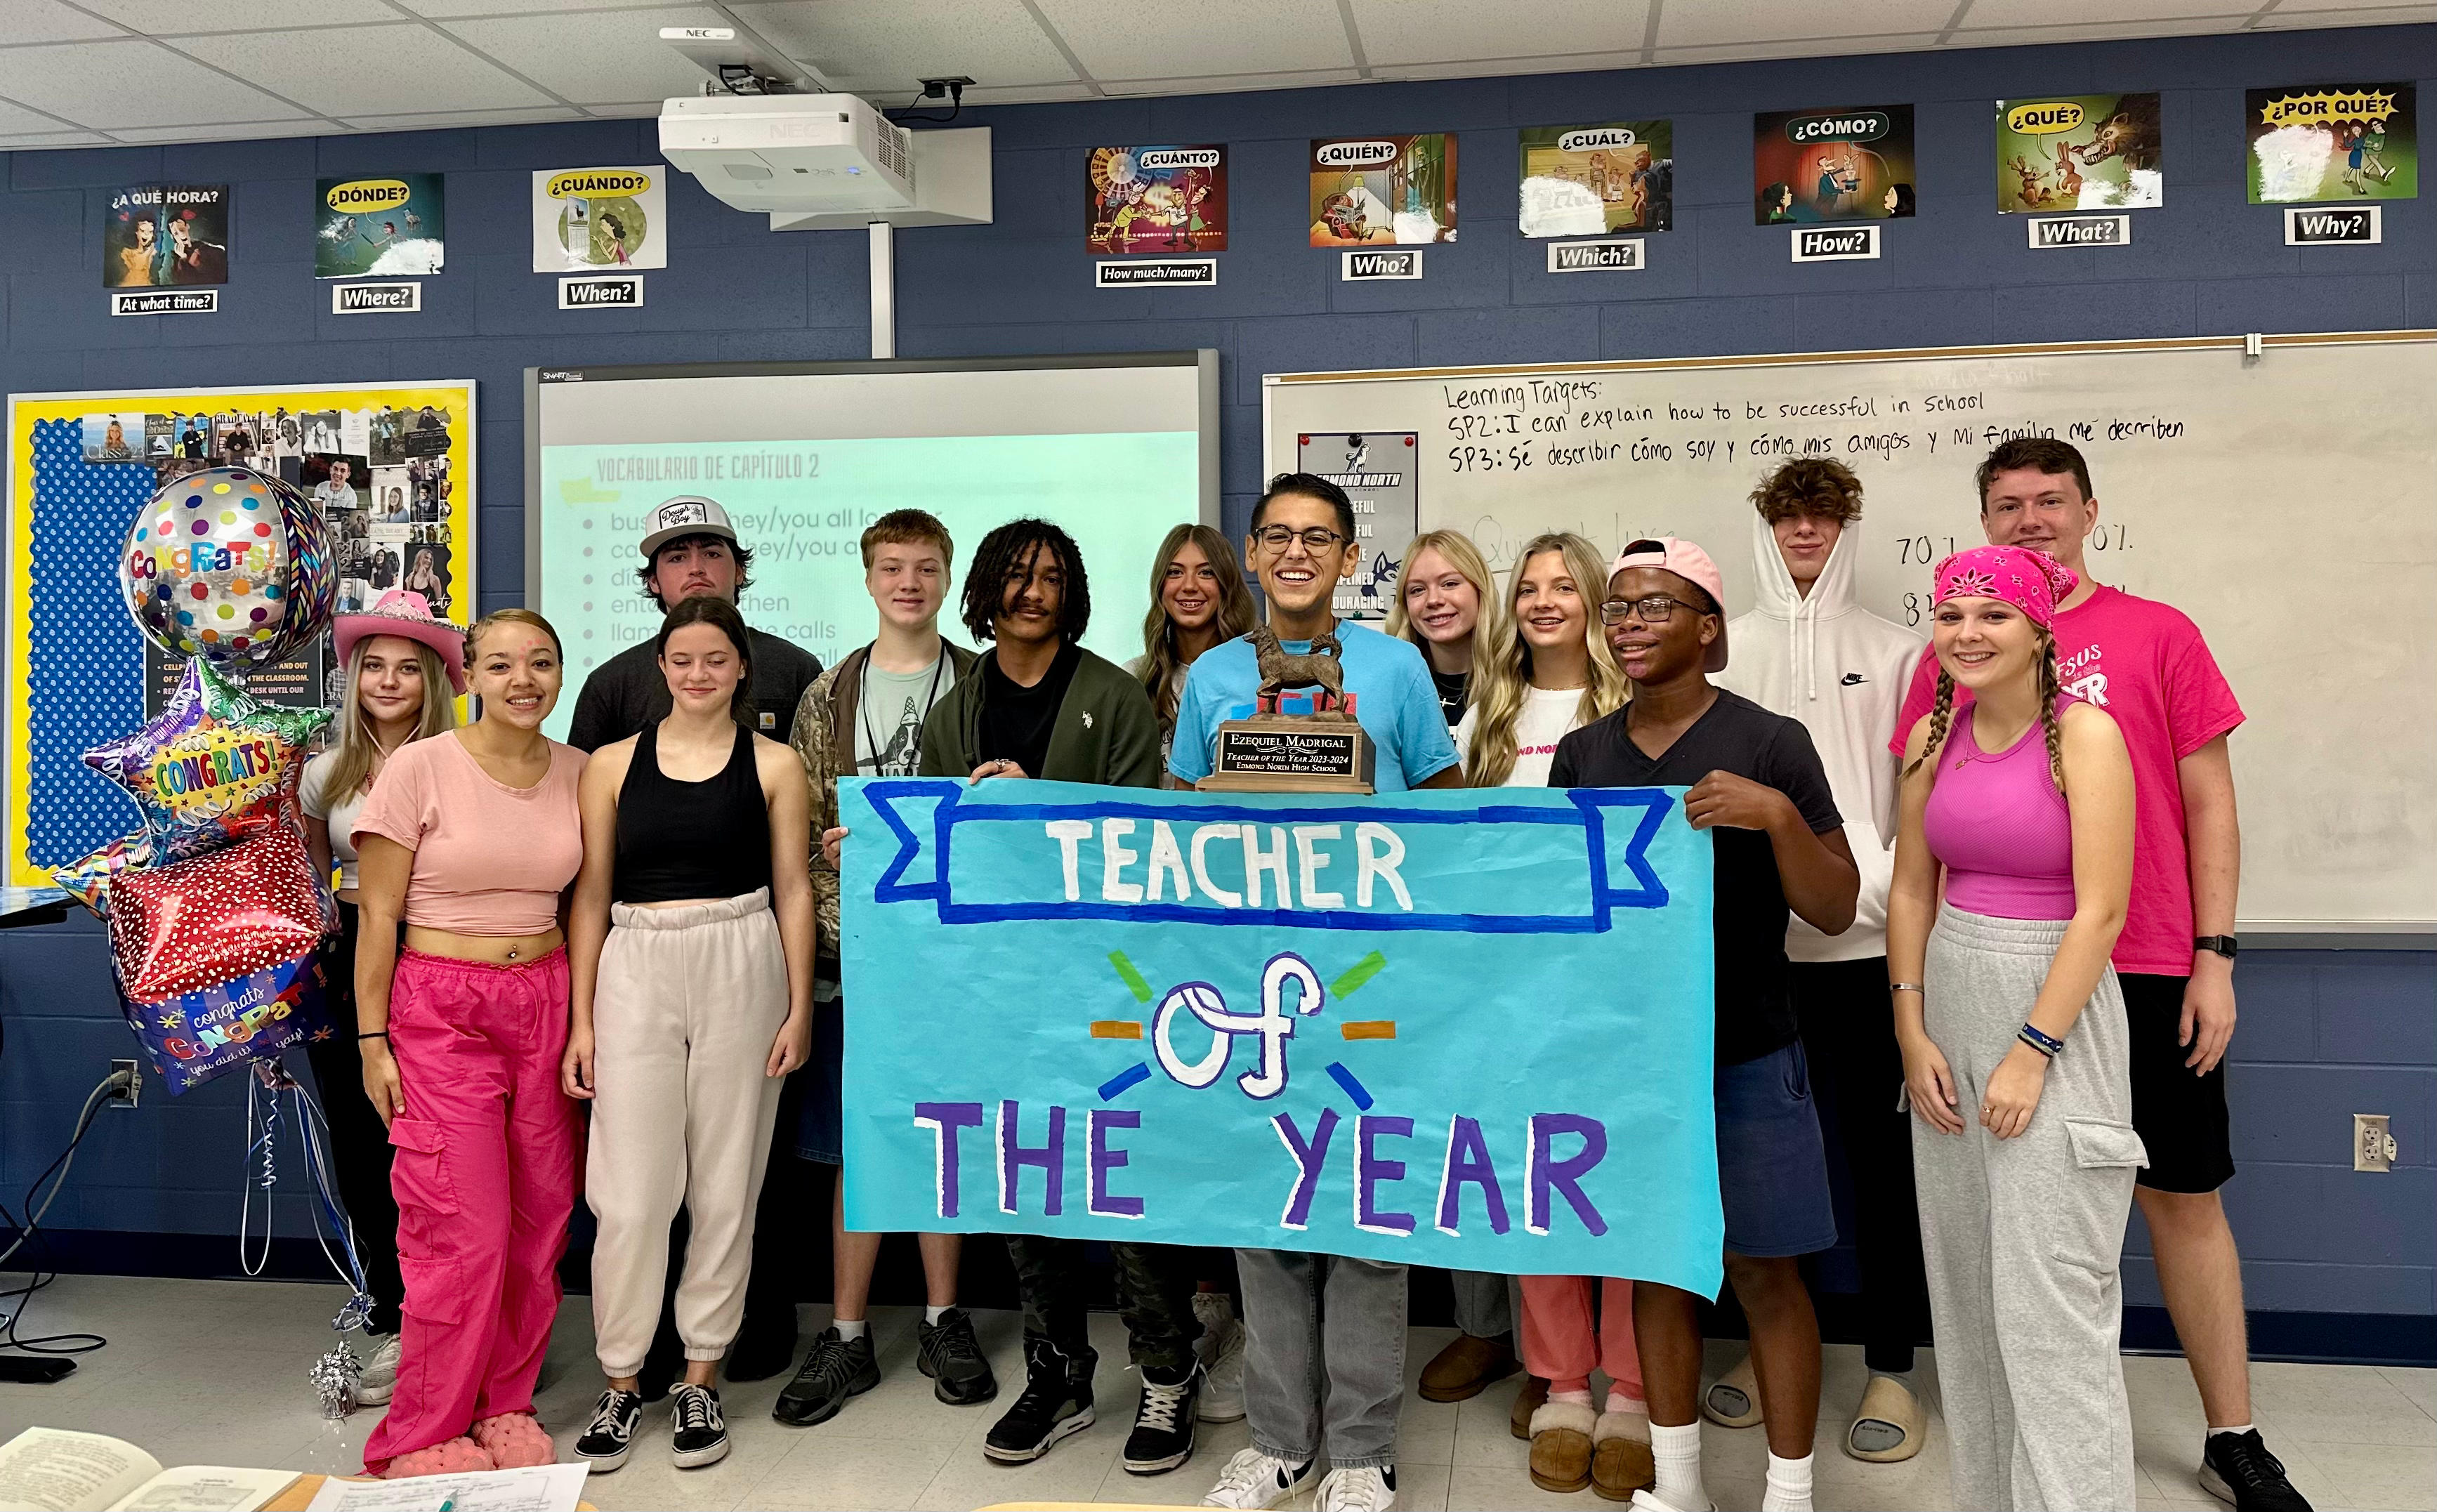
(37, 1205)
(932, 89)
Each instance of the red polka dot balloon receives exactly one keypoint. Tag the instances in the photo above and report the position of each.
(231, 564)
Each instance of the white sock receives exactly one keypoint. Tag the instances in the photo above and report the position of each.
(1677, 1451)
(850, 1329)
(2212, 1433)
(932, 1315)
(1580, 1398)
(1789, 1486)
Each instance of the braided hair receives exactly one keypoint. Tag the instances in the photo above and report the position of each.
(1941, 716)
(1003, 555)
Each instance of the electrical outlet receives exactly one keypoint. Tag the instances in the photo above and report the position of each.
(2373, 1146)
(133, 1092)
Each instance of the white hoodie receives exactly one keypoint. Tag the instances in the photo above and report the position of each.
(1842, 671)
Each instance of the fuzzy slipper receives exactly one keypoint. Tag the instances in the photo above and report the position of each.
(1533, 1391)
(516, 1441)
(1561, 1445)
(1733, 1399)
(1620, 1458)
(1888, 1405)
(450, 1457)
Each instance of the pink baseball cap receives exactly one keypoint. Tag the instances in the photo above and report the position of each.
(1689, 562)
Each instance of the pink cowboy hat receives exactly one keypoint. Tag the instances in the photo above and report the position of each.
(407, 614)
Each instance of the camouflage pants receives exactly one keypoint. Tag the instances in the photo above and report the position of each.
(1155, 1287)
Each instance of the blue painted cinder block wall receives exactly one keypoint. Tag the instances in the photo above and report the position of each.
(2324, 1034)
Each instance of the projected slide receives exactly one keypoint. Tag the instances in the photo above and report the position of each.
(803, 462)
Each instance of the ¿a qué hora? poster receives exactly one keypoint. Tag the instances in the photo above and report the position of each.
(161, 236)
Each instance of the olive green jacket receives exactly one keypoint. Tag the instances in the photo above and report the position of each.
(1106, 730)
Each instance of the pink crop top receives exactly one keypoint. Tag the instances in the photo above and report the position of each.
(489, 859)
(2001, 827)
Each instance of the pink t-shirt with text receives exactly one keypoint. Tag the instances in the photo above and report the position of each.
(489, 859)
(2145, 663)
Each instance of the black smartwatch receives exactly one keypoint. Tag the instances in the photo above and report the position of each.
(2222, 944)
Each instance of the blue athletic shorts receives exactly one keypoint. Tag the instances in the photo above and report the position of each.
(1772, 1164)
(821, 1118)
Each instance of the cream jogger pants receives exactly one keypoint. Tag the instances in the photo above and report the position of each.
(687, 1005)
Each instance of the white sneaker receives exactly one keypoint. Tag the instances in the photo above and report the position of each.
(1257, 1481)
(1362, 1491)
(378, 1382)
(1221, 1348)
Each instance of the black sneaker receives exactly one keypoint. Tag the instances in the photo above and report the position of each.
(611, 1437)
(951, 1356)
(2237, 1468)
(765, 1346)
(663, 1364)
(836, 1369)
(1162, 1436)
(701, 1437)
(1057, 1400)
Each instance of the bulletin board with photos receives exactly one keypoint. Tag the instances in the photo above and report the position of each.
(390, 467)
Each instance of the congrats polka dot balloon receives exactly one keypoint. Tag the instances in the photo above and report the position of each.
(230, 565)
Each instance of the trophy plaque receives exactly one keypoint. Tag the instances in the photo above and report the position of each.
(1323, 751)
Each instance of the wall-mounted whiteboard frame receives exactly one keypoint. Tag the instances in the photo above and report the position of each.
(1364, 400)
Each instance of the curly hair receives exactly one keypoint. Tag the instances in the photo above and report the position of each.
(1809, 486)
(1005, 556)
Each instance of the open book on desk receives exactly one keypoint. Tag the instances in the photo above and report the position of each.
(53, 1470)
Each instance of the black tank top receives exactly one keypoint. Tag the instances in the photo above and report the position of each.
(678, 840)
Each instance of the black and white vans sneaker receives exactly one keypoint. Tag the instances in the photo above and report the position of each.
(701, 1435)
(1162, 1436)
(611, 1437)
(1057, 1400)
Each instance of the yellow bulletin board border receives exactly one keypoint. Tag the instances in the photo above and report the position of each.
(24, 503)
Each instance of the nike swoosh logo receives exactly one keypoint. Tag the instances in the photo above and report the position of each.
(1854, 679)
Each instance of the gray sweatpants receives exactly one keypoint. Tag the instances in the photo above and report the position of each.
(1487, 1306)
(1324, 1356)
(2022, 1235)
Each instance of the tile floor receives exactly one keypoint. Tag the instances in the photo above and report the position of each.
(214, 1372)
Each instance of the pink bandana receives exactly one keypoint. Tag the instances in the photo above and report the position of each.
(2030, 581)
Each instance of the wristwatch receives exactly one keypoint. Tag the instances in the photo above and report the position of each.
(2222, 944)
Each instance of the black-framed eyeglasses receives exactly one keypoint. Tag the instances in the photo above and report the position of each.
(1656, 610)
(1315, 540)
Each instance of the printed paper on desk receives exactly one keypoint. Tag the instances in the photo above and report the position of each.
(540, 1489)
(1470, 1030)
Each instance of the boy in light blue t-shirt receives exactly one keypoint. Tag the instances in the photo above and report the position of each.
(1310, 1391)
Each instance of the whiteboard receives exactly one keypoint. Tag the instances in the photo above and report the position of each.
(2285, 497)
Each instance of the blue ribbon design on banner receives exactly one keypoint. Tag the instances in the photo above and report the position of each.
(1596, 815)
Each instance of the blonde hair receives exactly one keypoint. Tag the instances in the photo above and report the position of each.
(1502, 660)
(1941, 716)
(1163, 669)
(1463, 557)
(510, 615)
(353, 750)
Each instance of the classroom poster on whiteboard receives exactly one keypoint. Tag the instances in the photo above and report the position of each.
(599, 220)
(1377, 470)
(391, 467)
(1394, 191)
(2079, 152)
(1155, 199)
(1588, 181)
(2337, 143)
(1851, 162)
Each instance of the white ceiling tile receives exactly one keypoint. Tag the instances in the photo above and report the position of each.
(18, 121)
(1026, 94)
(225, 131)
(888, 45)
(165, 18)
(1500, 68)
(23, 21)
(617, 55)
(1127, 39)
(2093, 31)
(438, 8)
(458, 120)
(1986, 14)
(2354, 16)
(1812, 47)
(109, 84)
(1712, 22)
(419, 69)
(1431, 32)
(1231, 83)
(43, 139)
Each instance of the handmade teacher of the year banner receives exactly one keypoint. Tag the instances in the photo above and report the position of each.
(1457, 1028)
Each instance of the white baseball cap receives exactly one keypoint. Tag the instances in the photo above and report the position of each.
(686, 515)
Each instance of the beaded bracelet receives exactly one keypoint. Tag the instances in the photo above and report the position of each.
(2047, 1044)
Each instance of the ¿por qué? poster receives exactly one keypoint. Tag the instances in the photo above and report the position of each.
(2332, 142)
